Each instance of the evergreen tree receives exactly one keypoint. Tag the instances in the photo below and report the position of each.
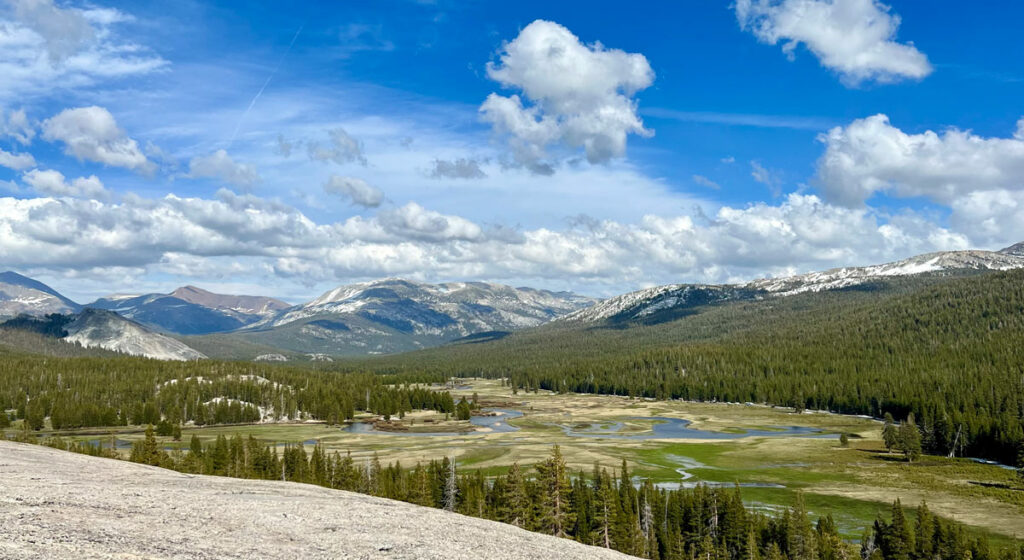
(463, 411)
(801, 542)
(890, 435)
(517, 497)
(910, 439)
(605, 506)
(451, 485)
(555, 515)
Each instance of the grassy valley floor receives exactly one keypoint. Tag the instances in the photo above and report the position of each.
(855, 483)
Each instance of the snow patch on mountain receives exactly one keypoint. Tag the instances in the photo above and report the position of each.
(649, 301)
(852, 276)
(22, 295)
(438, 309)
(95, 328)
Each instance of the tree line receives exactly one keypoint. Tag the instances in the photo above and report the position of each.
(101, 392)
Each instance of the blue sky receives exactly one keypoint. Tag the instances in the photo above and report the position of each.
(599, 147)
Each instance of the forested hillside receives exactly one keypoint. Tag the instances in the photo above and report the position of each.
(952, 352)
(92, 392)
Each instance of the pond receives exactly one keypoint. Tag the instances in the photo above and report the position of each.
(677, 428)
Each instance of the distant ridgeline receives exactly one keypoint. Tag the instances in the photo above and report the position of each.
(949, 350)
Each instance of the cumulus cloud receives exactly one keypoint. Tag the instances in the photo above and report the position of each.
(460, 168)
(992, 218)
(16, 162)
(413, 221)
(870, 155)
(43, 46)
(52, 183)
(800, 233)
(342, 149)
(577, 95)
(357, 190)
(855, 38)
(91, 133)
(219, 165)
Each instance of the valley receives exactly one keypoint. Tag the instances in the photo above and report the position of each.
(766, 395)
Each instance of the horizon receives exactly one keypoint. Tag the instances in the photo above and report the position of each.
(312, 297)
(285, 150)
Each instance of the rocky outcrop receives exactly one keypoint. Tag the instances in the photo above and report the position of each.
(55, 504)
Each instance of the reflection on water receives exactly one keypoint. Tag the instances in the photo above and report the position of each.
(677, 428)
(489, 424)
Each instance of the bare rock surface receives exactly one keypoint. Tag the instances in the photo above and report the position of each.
(55, 504)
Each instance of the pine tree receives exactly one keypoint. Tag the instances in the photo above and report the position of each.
(451, 485)
(897, 540)
(463, 411)
(554, 512)
(830, 544)
(801, 538)
(924, 531)
(517, 497)
(889, 433)
(605, 506)
(910, 439)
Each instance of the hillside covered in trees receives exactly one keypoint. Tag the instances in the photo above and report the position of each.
(951, 351)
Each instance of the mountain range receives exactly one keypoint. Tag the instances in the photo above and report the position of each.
(395, 315)
(663, 303)
(191, 310)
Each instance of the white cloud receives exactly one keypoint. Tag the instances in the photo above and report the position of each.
(412, 221)
(16, 162)
(52, 183)
(991, 218)
(357, 190)
(870, 155)
(766, 177)
(343, 148)
(800, 233)
(219, 165)
(63, 31)
(91, 133)
(17, 126)
(855, 38)
(44, 47)
(581, 95)
(459, 168)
